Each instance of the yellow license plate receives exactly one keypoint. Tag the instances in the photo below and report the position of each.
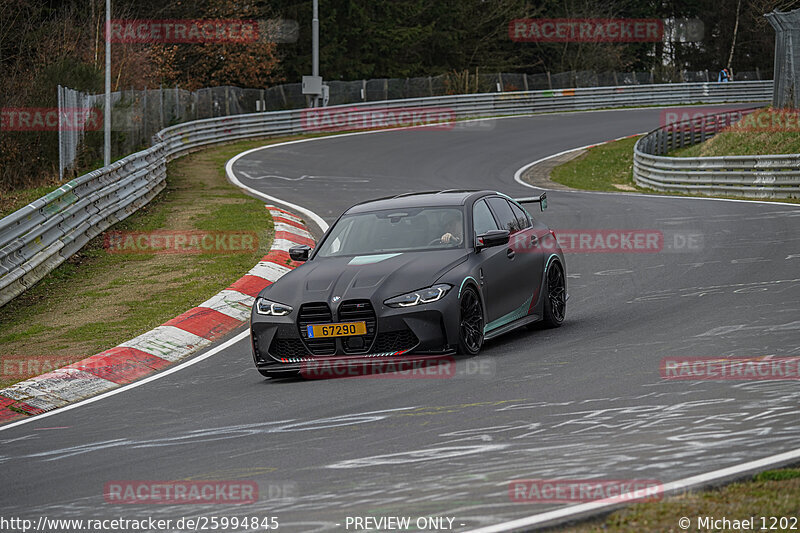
(344, 329)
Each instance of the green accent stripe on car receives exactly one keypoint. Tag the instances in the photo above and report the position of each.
(517, 313)
(462, 284)
(369, 259)
(549, 260)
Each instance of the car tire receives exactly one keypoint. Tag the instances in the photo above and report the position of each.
(555, 297)
(470, 322)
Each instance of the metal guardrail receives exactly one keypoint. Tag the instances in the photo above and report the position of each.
(42, 235)
(752, 176)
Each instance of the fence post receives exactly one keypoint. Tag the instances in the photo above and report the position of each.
(160, 108)
(283, 96)
(549, 81)
(144, 113)
(133, 136)
(60, 136)
(385, 88)
(178, 109)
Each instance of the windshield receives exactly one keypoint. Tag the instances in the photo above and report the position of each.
(396, 230)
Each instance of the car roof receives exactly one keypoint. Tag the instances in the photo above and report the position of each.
(445, 198)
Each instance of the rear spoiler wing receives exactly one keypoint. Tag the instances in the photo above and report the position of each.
(541, 200)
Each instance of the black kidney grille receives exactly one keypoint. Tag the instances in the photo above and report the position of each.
(356, 311)
(315, 313)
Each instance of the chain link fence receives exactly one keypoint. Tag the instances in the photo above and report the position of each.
(787, 58)
(138, 114)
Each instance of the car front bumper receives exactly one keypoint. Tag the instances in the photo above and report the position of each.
(279, 342)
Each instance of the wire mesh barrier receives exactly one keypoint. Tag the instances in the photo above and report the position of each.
(37, 238)
(138, 114)
(752, 176)
(69, 139)
(787, 58)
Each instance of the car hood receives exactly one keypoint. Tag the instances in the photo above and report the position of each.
(375, 277)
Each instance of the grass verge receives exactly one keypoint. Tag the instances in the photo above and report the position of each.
(763, 132)
(609, 167)
(96, 300)
(775, 493)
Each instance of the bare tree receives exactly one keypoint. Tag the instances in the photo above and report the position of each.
(735, 31)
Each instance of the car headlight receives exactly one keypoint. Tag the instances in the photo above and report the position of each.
(270, 308)
(424, 296)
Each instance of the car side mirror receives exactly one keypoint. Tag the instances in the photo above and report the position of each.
(496, 237)
(300, 252)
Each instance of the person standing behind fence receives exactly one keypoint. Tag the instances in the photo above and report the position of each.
(724, 76)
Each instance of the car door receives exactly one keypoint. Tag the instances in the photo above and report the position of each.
(493, 262)
(532, 239)
(513, 272)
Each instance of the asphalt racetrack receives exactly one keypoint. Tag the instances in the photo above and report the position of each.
(583, 401)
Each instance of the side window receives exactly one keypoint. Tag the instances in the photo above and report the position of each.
(505, 217)
(522, 217)
(482, 219)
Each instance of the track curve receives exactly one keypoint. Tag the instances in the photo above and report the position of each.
(583, 401)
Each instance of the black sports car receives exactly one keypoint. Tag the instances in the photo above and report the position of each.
(413, 274)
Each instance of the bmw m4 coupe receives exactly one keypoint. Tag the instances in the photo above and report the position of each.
(415, 274)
